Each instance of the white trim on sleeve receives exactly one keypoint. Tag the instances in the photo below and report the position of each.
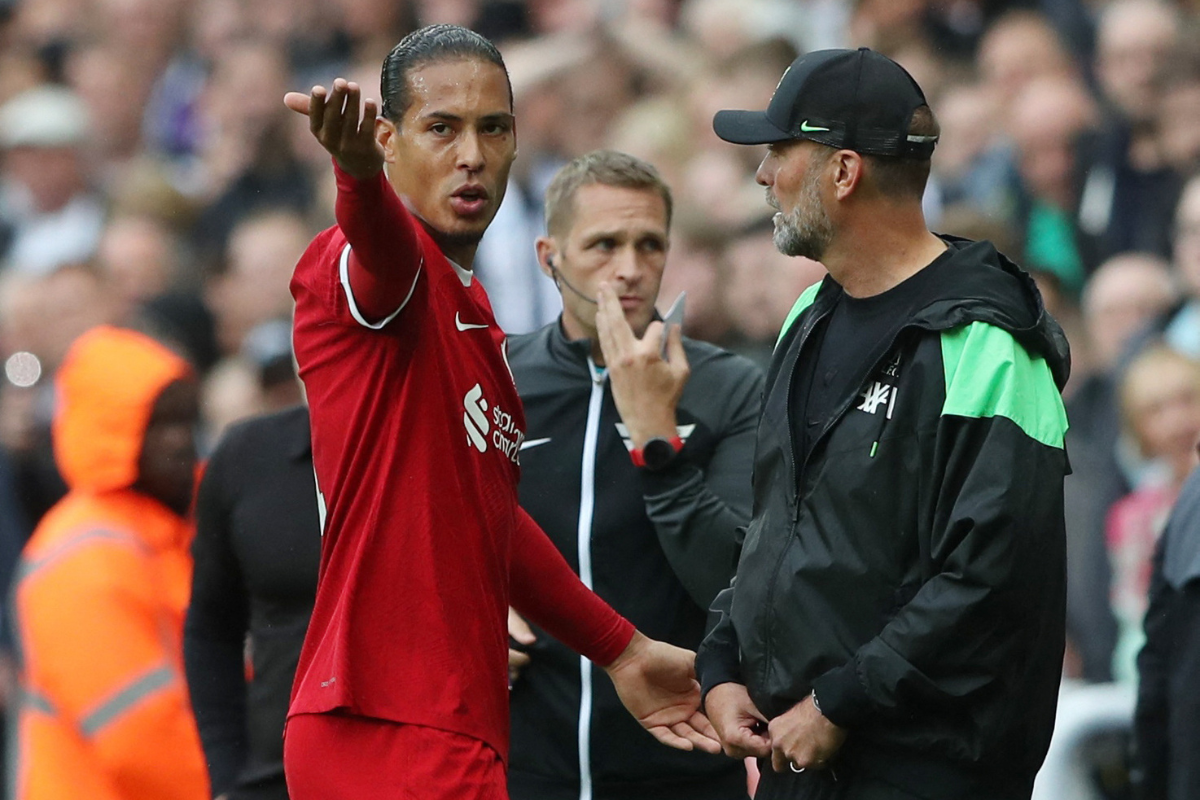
(344, 271)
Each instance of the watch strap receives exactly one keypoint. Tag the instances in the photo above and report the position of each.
(638, 454)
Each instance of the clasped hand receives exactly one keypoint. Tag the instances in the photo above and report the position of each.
(801, 738)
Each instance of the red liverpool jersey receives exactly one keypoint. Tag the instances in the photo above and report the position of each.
(416, 428)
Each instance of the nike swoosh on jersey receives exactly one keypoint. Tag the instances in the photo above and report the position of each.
(528, 443)
(466, 326)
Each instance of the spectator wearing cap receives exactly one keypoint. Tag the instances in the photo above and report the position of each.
(48, 214)
(902, 580)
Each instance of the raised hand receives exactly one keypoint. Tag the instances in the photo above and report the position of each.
(343, 124)
(646, 387)
(657, 683)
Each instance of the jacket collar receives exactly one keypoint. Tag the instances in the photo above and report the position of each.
(564, 350)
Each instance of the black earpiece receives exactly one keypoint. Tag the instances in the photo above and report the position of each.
(560, 281)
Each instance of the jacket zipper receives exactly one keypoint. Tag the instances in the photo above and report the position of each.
(804, 334)
(587, 506)
(805, 331)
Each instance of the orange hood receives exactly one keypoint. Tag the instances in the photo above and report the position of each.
(107, 387)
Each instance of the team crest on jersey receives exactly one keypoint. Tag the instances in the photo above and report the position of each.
(488, 425)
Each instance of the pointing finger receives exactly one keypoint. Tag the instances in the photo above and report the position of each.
(604, 322)
(618, 326)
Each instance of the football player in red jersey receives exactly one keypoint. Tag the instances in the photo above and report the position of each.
(401, 688)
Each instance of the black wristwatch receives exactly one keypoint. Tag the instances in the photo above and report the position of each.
(657, 453)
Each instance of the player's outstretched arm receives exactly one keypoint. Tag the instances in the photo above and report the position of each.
(657, 683)
(385, 256)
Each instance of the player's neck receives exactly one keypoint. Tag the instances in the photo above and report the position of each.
(458, 249)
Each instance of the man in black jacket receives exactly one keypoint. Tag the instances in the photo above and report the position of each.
(896, 625)
(639, 474)
(1167, 722)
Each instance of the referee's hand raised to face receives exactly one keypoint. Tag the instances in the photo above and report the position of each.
(344, 124)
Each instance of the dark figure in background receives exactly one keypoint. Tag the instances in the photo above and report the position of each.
(257, 548)
(1167, 720)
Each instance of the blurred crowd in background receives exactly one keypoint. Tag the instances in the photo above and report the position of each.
(151, 177)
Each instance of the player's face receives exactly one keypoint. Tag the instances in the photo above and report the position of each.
(617, 235)
(450, 155)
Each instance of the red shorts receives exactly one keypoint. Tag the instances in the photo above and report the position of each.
(336, 756)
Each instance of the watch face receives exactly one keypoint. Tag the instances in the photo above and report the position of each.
(657, 453)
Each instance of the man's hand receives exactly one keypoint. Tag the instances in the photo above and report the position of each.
(657, 683)
(519, 630)
(645, 387)
(341, 126)
(803, 737)
(741, 727)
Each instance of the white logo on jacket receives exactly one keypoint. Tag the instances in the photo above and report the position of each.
(877, 394)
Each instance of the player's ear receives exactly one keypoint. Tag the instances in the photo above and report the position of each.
(385, 137)
(547, 255)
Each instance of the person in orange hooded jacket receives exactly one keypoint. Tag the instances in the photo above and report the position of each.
(103, 583)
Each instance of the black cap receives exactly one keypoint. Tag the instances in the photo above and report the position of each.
(854, 99)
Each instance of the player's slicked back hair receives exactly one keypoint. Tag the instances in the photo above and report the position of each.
(603, 167)
(427, 45)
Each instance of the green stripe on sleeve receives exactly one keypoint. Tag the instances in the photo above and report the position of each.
(805, 300)
(988, 374)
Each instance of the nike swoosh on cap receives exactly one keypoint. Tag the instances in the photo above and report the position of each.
(806, 128)
(466, 326)
(528, 443)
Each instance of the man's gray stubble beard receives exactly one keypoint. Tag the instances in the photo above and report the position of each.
(807, 230)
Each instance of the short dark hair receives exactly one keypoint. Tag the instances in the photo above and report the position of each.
(427, 45)
(905, 177)
(606, 168)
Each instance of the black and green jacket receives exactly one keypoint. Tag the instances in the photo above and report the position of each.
(911, 570)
